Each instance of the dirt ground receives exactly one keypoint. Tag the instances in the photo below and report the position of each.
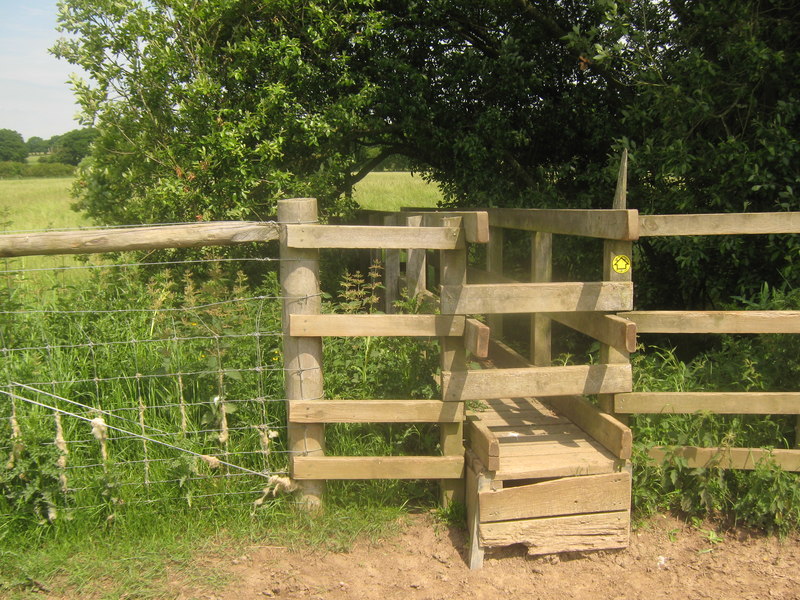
(667, 558)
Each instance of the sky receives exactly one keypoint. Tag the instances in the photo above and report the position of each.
(35, 98)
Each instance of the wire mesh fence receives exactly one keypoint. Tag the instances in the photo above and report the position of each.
(125, 382)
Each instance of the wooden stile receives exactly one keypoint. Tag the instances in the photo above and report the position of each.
(612, 330)
(475, 222)
(536, 381)
(538, 297)
(608, 431)
(377, 325)
(375, 411)
(357, 236)
(379, 467)
(600, 223)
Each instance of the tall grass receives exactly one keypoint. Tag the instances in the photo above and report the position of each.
(391, 191)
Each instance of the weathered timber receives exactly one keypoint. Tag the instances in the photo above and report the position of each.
(379, 467)
(358, 236)
(536, 381)
(728, 458)
(539, 297)
(476, 482)
(475, 222)
(608, 431)
(483, 442)
(416, 265)
(568, 496)
(191, 235)
(375, 411)
(602, 223)
(721, 403)
(721, 321)
(377, 325)
(719, 224)
(494, 270)
(613, 330)
(575, 533)
(542, 272)
(302, 356)
(560, 462)
(476, 338)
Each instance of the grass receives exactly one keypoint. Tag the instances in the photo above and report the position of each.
(391, 191)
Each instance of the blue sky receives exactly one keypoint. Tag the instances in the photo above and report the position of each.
(35, 98)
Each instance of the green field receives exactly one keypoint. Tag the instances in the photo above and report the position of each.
(392, 191)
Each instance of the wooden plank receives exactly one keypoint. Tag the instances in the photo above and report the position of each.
(127, 239)
(719, 224)
(561, 462)
(541, 272)
(477, 481)
(416, 265)
(476, 338)
(379, 467)
(375, 411)
(569, 496)
(538, 445)
(483, 443)
(607, 224)
(613, 330)
(476, 222)
(721, 403)
(719, 321)
(536, 381)
(504, 356)
(391, 272)
(377, 325)
(728, 458)
(494, 270)
(364, 236)
(574, 533)
(608, 431)
(539, 297)
(302, 356)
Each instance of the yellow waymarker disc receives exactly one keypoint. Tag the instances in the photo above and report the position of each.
(621, 264)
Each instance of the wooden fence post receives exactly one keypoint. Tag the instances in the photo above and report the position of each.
(541, 272)
(617, 266)
(391, 275)
(454, 358)
(494, 264)
(302, 356)
(416, 264)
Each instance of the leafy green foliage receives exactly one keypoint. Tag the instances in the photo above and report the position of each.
(12, 146)
(71, 147)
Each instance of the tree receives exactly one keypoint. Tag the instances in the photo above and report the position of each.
(36, 145)
(71, 147)
(12, 146)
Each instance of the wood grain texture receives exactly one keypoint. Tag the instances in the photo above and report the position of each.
(475, 222)
(728, 458)
(606, 224)
(375, 411)
(538, 297)
(191, 235)
(608, 431)
(612, 330)
(377, 325)
(536, 381)
(568, 496)
(777, 321)
(379, 467)
(476, 338)
(362, 236)
(576, 533)
(719, 224)
(721, 403)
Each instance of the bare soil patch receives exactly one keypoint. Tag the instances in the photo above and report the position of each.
(667, 558)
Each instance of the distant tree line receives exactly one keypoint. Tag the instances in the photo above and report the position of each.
(68, 148)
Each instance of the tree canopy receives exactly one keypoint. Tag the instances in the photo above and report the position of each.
(12, 146)
(218, 108)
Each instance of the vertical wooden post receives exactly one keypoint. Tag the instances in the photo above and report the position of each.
(302, 356)
(416, 264)
(494, 264)
(391, 274)
(541, 272)
(454, 358)
(616, 254)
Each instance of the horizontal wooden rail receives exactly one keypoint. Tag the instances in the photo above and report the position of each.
(363, 236)
(379, 467)
(127, 239)
(658, 321)
(375, 411)
(613, 330)
(475, 222)
(609, 224)
(536, 382)
(539, 297)
(721, 403)
(728, 458)
(719, 224)
(376, 325)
